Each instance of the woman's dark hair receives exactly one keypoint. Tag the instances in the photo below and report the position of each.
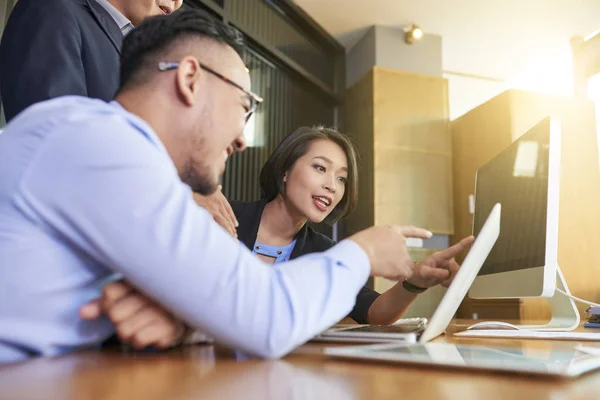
(294, 146)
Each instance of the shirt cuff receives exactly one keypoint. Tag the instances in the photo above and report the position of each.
(350, 254)
(197, 337)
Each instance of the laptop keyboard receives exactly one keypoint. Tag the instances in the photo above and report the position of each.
(403, 328)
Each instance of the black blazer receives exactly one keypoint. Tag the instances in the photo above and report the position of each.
(307, 241)
(52, 48)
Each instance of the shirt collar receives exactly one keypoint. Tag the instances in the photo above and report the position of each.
(124, 24)
(140, 125)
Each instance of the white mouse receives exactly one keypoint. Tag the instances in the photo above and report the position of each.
(493, 325)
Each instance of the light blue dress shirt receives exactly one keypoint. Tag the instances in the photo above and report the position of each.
(88, 190)
(280, 254)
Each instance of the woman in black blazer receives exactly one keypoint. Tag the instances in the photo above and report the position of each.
(312, 176)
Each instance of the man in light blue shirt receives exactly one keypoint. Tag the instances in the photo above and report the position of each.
(91, 189)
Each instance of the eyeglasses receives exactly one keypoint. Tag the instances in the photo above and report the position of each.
(253, 99)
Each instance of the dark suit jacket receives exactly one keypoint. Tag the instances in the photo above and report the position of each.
(307, 241)
(52, 48)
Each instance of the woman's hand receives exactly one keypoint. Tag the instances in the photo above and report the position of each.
(440, 267)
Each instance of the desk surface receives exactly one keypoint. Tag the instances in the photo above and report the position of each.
(204, 372)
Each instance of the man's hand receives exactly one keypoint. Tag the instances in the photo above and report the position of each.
(137, 319)
(220, 209)
(387, 251)
(440, 267)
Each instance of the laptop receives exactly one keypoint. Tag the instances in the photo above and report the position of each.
(404, 330)
(419, 332)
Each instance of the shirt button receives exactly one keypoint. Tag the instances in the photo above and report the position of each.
(257, 247)
(278, 251)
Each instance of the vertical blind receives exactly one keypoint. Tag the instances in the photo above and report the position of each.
(288, 105)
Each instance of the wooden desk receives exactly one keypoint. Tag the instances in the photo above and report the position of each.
(202, 372)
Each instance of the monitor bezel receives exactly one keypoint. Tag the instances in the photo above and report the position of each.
(538, 281)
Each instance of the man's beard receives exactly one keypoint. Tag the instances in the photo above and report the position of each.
(199, 183)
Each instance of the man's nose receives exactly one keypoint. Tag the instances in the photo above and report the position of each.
(239, 144)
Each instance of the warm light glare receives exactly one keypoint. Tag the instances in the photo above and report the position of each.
(552, 75)
(526, 160)
(253, 132)
(417, 33)
(593, 91)
(250, 131)
(591, 35)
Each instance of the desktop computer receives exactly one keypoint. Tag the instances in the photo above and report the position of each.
(525, 179)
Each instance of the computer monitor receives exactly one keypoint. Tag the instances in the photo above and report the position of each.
(524, 178)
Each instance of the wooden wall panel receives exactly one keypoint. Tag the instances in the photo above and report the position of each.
(399, 121)
(413, 188)
(413, 179)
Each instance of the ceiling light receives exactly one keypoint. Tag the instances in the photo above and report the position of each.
(412, 33)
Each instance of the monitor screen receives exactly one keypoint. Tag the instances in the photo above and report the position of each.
(517, 178)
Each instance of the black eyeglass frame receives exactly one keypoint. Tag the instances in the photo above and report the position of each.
(255, 99)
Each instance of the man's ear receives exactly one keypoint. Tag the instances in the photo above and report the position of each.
(285, 177)
(188, 78)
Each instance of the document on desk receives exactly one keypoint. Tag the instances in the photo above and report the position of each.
(526, 334)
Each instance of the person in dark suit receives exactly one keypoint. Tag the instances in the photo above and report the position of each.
(53, 48)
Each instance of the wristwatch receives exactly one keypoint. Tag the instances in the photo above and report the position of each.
(412, 288)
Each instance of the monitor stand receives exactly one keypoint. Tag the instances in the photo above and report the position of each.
(565, 316)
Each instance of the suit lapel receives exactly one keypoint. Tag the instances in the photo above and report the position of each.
(107, 23)
(302, 246)
(248, 230)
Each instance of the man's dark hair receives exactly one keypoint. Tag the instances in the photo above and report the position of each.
(152, 39)
(294, 146)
